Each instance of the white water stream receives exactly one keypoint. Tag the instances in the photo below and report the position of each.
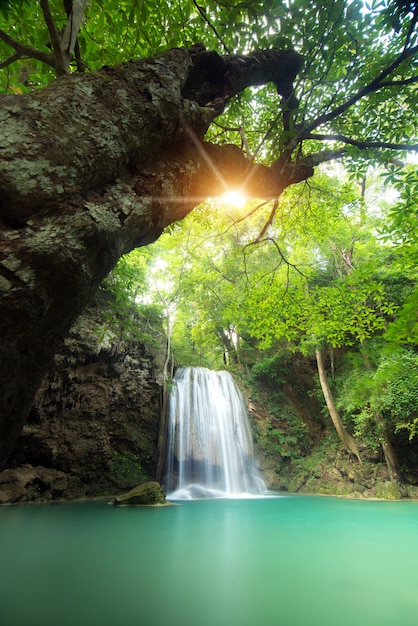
(210, 447)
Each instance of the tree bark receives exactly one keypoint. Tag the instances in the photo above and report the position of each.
(347, 439)
(95, 165)
(390, 455)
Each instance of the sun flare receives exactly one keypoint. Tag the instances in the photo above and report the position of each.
(235, 199)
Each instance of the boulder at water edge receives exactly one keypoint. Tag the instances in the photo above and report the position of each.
(147, 494)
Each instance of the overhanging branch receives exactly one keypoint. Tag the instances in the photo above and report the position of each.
(215, 79)
(130, 113)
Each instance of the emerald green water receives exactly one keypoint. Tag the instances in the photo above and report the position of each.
(287, 561)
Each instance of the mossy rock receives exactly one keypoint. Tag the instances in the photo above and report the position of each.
(147, 494)
(391, 491)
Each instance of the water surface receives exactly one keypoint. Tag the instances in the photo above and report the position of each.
(286, 561)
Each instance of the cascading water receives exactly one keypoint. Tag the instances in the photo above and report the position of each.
(210, 448)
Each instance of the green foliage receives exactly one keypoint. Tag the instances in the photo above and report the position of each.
(306, 468)
(367, 429)
(321, 275)
(404, 329)
(128, 280)
(329, 291)
(403, 213)
(397, 382)
(126, 314)
(389, 391)
(290, 441)
(273, 368)
(126, 470)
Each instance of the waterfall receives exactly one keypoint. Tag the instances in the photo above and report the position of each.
(209, 443)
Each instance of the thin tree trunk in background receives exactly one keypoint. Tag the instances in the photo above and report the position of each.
(347, 439)
(165, 394)
(389, 453)
(388, 450)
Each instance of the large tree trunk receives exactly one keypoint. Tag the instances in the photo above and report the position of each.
(347, 439)
(95, 165)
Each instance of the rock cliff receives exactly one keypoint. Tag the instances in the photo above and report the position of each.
(95, 420)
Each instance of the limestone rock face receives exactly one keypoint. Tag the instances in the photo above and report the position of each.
(27, 483)
(96, 415)
(148, 494)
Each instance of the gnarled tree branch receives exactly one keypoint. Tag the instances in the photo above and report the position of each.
(108, 138)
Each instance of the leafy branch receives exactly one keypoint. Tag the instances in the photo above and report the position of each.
(203, 14)
(376, 84)
(64, 43)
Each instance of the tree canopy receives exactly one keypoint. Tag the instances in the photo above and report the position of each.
(355, 93)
